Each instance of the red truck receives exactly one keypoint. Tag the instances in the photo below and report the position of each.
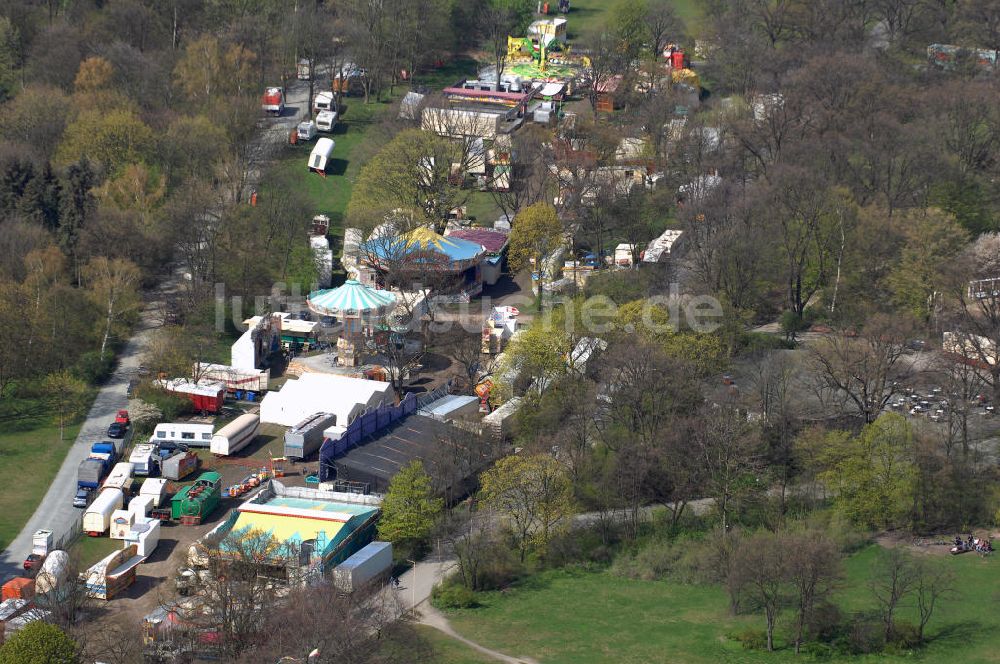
(273, 101)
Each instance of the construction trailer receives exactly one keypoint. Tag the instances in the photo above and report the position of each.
(113, 574)
(145, 536)
(179, 466)
(206, 396)
(306, 437)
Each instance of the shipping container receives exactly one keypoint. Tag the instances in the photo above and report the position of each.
(236, 435)
(206, 396)
(307, 436)
(144, 460)
(120, 477)
(155, 489)
(18, 588)
(363, 568)
(179, 466)
(188, 433)
(97, 518)
(53, 572)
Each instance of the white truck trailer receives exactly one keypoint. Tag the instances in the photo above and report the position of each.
(364, 567)
(236, 435)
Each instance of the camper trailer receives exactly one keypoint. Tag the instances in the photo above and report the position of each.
(144, 460)
(236, 435)
(323, 101)
(187, 433)
(326, 120)
(155, 489)
(306, 131)
(120, 477)
(320, 157)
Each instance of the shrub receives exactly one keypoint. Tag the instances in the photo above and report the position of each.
(453, 596)
(825, 622)
(751, 639)
(655, 560)
(905, 636)
(170, 405)
(95, 368)
(862, 637)
(818, 651)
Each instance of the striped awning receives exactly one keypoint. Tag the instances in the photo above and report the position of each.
(352, 297)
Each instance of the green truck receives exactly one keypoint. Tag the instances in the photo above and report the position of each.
(192, 504)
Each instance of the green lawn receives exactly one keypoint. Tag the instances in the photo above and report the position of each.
(581, 617)
(419, 644)
(29, 442)
(586, 16)
(89, 550)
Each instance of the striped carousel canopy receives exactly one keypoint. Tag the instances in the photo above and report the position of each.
(352, 297)
(421, 241)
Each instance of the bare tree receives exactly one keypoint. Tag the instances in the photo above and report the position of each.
(814, 566)
(894, 579)
(866, 370)
(729, 451)
(759, 571)
(934, 582)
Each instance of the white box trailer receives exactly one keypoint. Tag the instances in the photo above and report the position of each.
(155, 488)
(462, 123)
(41, 542)
(144, 460)
(120, 477)
(364, 567)
(121, 523)
(97, 518)
(307, 436)
(53, 572)
(189, 433)
(141, 506)
(145, 535)
(236, 435)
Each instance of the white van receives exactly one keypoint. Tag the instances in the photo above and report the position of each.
(326, 120)
(192, 435)
(323, 101)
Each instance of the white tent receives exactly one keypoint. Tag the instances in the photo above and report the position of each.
(323, 393)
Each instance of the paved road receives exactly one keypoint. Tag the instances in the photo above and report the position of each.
(56, 511)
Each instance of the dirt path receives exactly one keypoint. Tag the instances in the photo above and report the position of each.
(431, 617)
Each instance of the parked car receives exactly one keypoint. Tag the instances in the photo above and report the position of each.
(116, 430)
(82, 498)
(122, 418)
(33, 562)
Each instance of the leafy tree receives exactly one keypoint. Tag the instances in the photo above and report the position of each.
(933, 241)
(138, 189)
(412, 173)
(39, 643)
(652, 322)
(9, 39)
(95, 74)
(113, 286)
(36, 117)
(537, 233)
(67, 395)
(208, 70)
(112, 138)
(536, 354)
(409, 509)
(40, 201)
(535, 495)
(871, 477)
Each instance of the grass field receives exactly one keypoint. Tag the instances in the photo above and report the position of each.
(582, 617)
(30, 456)
(419, 644)
(89, 550)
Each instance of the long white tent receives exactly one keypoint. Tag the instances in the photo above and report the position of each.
(323, 393)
